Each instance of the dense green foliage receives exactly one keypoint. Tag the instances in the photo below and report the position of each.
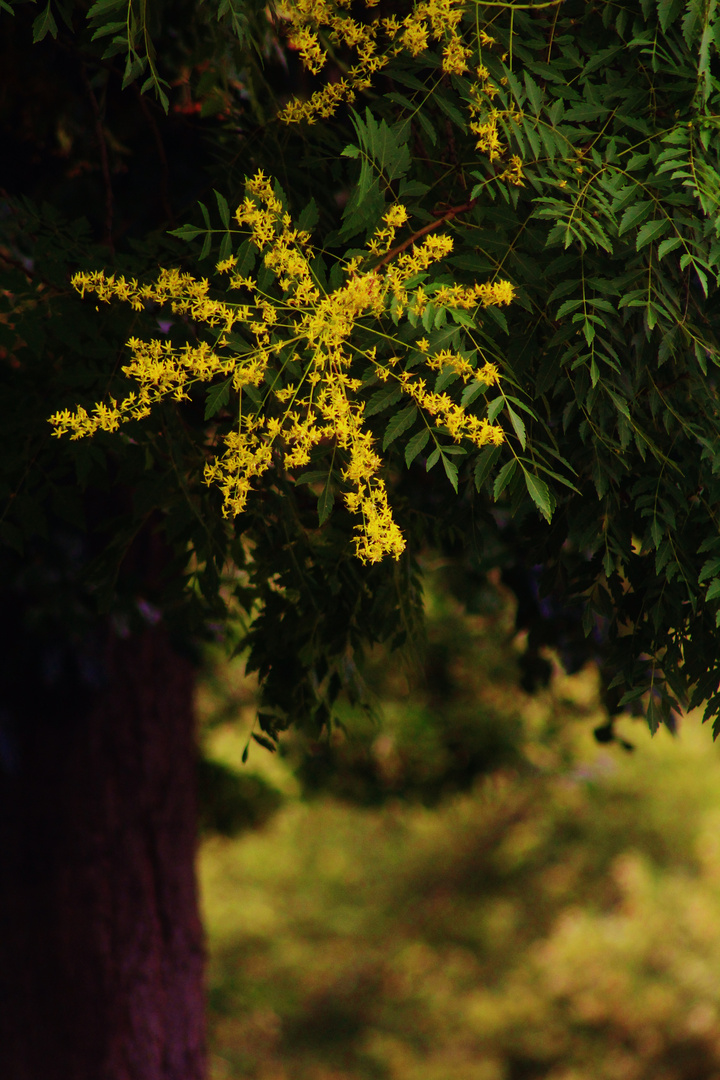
(558, 921)
(572, 151)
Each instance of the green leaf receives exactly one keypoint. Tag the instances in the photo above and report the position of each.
(473, 390)
(620, 403)
(601, 58)
(714, 590)
(44, 24)
(326, 501)
(102, 7)
(223, 209)
(692, 21)
(186, 232)
(382, 145)
(308, 217)
(450, 110)
(428, 316)
(134, 67)
(365, 205)
(540, 494)
(383, 399)
(246, 256)
(263, 741)
(518, 425)
(637, 161)
(495, 407)
(650, 231)
(446, 377)
(162, 98)
(451, 471)
(433, 459)
(710, 569)
(568, 306)
(668, 11)
(534, 93)
(108, 28)
(586, 112)
(415, 445)
(427, 126)
(412, 189)
(312, 476)
(504, 477)
(588, 331)
(217, 397)
(634, 215)
(225, 247)
(485, 464)
(461, 317)
(398, 423)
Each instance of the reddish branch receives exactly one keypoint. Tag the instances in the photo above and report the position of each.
(442, 216)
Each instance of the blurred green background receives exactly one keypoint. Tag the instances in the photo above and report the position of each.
(461, 884)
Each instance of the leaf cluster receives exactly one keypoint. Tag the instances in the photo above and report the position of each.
(577, 156)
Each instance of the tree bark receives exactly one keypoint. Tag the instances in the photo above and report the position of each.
(101, 952)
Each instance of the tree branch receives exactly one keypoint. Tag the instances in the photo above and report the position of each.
(104, 162)
(444, 215)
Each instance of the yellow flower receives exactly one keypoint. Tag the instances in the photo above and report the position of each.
(226, 264)
(295, 322)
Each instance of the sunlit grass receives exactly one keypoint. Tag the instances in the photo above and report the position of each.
(560, 920)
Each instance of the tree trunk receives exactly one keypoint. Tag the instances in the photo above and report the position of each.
(101, 954)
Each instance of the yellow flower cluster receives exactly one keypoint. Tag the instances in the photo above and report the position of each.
(446, 360)
(375, 42)
(498, 294)
(485, 119)
(513, 172)
(382, 240)
(300, 351)
(460, 424)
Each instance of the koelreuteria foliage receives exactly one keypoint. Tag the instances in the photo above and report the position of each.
(437, 160)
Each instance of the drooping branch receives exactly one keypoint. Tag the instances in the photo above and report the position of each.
(160, 146)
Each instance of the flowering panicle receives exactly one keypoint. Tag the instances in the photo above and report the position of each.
(299, 359)
(383, 237)
(375, 43)
(460, 424)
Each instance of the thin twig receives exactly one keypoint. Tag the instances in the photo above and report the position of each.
(31, 274)
(164, 168)
(104, 162)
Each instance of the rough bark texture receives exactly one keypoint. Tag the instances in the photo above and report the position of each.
(101, 951)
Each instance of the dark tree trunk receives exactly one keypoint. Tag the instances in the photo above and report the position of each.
(101, 953)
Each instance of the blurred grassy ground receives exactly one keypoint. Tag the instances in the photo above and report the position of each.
(558, 919)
